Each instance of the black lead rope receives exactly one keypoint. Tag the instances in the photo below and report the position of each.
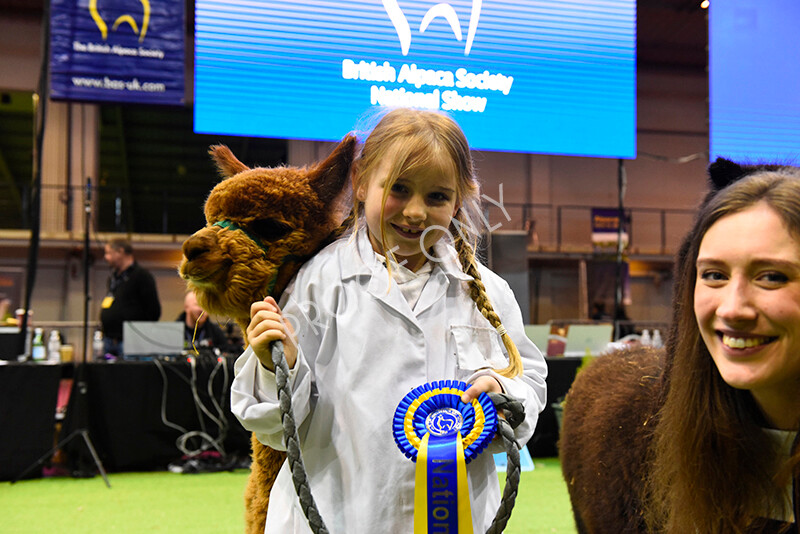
(511, 408)
(299, 477)
(514, 413)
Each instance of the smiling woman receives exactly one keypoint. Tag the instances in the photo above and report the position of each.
(747, 302)
(726, 452)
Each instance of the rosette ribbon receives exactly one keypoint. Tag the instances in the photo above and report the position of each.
(442, 435)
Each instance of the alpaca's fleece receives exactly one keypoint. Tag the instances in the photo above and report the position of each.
(262, 224)
(605, 437)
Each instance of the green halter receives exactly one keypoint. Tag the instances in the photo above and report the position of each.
(230, 225)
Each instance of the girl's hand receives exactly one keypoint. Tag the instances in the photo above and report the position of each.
(482, 384)
(267, 325)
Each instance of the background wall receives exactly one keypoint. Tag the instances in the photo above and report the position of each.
(672, 124)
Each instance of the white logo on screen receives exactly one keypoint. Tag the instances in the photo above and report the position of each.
(403, 30)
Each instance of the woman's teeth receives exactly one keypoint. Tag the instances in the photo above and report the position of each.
(743, 343)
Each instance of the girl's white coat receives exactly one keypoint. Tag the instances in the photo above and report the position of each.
(362, 349)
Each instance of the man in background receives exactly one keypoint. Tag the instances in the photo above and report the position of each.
(132, 295)
(198, 331)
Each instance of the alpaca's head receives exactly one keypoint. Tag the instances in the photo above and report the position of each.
(262, 224)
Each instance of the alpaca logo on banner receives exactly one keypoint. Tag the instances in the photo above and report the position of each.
(403, 29)
(126, 18)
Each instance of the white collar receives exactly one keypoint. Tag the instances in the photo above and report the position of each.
(403, 274)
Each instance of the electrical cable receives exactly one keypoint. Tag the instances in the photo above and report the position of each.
(198, 406)
(223, 420)
(219, 420)
(199, 402)
(216, 443)
(206, 440)
(164, 399)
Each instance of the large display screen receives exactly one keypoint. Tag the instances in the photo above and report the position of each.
(754, 80)
(551, 76)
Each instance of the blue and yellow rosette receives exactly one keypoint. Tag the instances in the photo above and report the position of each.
(442, 435)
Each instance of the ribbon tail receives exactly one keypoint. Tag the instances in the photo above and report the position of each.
(421, 489)
(464, 509)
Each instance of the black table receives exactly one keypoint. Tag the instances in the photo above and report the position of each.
(28, 396)
(560, 374)
(123, 412)
(137, 410)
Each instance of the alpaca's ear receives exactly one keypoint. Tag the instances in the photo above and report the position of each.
(724, 172)
(227, 164)
(329, 177)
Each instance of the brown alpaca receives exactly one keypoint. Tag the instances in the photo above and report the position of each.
(608, 416)
(262, 224)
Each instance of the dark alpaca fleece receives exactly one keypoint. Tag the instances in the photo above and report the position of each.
(611, 411)
(272, 220)
(608, 416)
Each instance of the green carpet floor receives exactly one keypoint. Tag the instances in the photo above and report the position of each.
(139, 503)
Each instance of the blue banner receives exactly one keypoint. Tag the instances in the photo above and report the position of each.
(548, 76)
(117, 51)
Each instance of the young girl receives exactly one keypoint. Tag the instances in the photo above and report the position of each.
(399, 303)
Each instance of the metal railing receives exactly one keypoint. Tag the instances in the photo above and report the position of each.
(173, 209)
(568, 227)
(168, 209)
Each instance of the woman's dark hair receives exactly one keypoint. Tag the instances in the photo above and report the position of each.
(712, 468)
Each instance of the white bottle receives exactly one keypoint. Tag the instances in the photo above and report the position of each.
(54, 347)
(645, 339)
(97, 345)
(657, 341)
(37, 350)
